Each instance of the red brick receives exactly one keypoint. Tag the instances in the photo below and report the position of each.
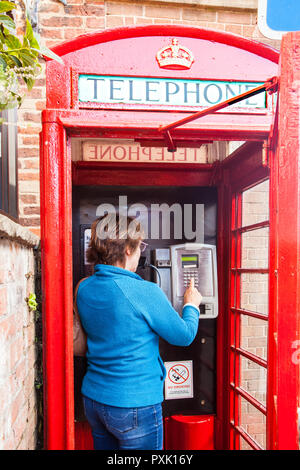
(3, 300)
(72, 33)
(40, 82)
(52, 7)
(85, 10)
(34, 117)
(234, 17)
(28, 198)
(3, 276)
(28, 152)
(31, 163)
(30, 140)
(34, 93)
(32, 210)
(162, 12)
(197, 14)
(114, 21)
(28, 176)
(30, 130)
(16, 349)
(16, 405)
(40, 105)
(57, 21)
(95, 23)
(52, 33)
(29, 221)
(233, 28)
(125, 9)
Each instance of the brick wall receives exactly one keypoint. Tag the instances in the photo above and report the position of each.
(58, 23)
(18, 407)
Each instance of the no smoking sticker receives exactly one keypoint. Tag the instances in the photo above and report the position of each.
(179, 380)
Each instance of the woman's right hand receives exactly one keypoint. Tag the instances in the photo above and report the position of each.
(192, 295)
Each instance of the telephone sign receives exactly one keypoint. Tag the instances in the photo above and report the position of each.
(276, 17)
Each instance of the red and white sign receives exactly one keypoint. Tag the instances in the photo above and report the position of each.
(179, 380)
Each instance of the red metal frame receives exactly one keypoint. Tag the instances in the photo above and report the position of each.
(284, 379)
(243, 169)
(56, 248)
(90, 39)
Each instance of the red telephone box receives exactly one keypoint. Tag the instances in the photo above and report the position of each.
(144, 91)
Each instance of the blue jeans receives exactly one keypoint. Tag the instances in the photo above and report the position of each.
(115, 428)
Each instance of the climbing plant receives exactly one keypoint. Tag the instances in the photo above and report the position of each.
(19, 56)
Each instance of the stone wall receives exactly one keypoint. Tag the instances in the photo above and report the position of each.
(18, 405)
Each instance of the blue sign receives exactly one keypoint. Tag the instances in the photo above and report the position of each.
(276, 17)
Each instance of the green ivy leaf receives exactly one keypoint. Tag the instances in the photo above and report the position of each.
(6, 6)
(43, 50)
(3, 63)
(11, 41)
(7, 22)
(26, 57)
(30, 36)
(48, 53)
(15, 59)
(29, 82)
(19, 58)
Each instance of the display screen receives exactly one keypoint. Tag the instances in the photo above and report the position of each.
(189, 261)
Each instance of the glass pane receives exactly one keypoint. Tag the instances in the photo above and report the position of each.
(254, 292)
(255, 248)
(253, 379)
(255, 204)
(254, 336)
(253, 422)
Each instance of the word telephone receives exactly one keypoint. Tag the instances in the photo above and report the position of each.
(177, 264)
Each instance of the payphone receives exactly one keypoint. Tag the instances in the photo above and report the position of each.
(176, 265)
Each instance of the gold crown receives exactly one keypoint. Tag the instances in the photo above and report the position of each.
(175, 57)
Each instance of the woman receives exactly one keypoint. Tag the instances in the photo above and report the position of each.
(124, 316)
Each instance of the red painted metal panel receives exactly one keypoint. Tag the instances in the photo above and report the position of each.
(222, 391)
(131, 51)
(233, 40)
(83, 436)
(56, 245)
(189, 432)
(129, 174)
(145, 124)
(284, 384)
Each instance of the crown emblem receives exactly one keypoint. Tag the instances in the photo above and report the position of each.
(175, 57)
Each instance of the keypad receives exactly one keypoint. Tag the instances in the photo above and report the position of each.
(188, 275)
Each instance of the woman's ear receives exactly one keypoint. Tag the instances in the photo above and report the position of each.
(128, 251)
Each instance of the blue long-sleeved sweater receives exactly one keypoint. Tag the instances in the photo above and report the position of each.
(123, 316)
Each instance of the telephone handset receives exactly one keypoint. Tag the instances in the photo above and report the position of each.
(197, 261)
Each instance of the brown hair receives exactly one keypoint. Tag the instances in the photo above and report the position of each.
(111, 234)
